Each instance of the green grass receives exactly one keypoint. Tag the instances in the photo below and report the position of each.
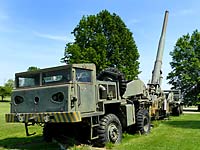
(12, 135)
(178, 133)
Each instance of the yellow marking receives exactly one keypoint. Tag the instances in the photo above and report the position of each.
(59, 117)
(62, 118)
(65, 116)
(39, 117)
(75, 115)
(56, 117)
(70, 116)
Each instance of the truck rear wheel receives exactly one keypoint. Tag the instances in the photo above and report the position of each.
(143, 121)
(110, 130)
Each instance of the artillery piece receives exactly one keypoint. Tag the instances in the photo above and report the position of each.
(160, 105)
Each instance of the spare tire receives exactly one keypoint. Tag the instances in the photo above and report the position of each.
(113, 74)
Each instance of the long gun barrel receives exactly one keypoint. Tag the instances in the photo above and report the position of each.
(157, 73)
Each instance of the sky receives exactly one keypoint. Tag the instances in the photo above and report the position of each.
(35, 32)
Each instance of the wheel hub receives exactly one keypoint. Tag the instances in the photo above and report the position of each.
(113, 133)
(146, 125)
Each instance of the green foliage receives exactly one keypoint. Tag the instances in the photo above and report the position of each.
(185, 65)
(104, 40)
(33, 68)
(6, 89)
(3, 92)
(9, 84)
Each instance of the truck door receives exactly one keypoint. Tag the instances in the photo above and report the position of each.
(85, 91)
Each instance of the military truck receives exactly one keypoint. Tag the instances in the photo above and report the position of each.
(70, 100)
(175, 101)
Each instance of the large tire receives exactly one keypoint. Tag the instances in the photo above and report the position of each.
(143, 121)
(113, 74)
(110, 130)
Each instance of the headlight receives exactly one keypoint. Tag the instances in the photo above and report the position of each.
(58, 97)
(18, 99)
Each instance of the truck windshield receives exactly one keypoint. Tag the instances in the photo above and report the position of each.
(56, 77)
(28, 80)
(49, 77)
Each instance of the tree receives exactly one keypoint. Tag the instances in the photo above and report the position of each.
(33, 68)
(185, 64)
(9, 84)
(6, 89)
(104, 40)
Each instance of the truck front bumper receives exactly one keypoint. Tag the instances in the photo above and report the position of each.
(54, 117)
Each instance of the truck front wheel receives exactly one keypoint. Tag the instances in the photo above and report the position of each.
(110, 130)
(143, 121)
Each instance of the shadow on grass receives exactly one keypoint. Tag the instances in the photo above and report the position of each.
(192, 124)
(28, 143)
(4, 101)
(37, 143)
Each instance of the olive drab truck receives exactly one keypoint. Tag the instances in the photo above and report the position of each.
(74, 100)
(160, 105)
(176, 103)
(70, 100)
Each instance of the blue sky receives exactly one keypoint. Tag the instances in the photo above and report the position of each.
(34, 32)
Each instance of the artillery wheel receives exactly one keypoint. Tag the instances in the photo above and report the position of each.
(143, 121)
(110, 130)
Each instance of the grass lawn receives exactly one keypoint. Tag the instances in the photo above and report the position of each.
(178, 133)
(12, 135)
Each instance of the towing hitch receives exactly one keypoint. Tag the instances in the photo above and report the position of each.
(26, 128)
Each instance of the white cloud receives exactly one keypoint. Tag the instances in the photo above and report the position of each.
(133, 22)
(53, 37)
(185, 12)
